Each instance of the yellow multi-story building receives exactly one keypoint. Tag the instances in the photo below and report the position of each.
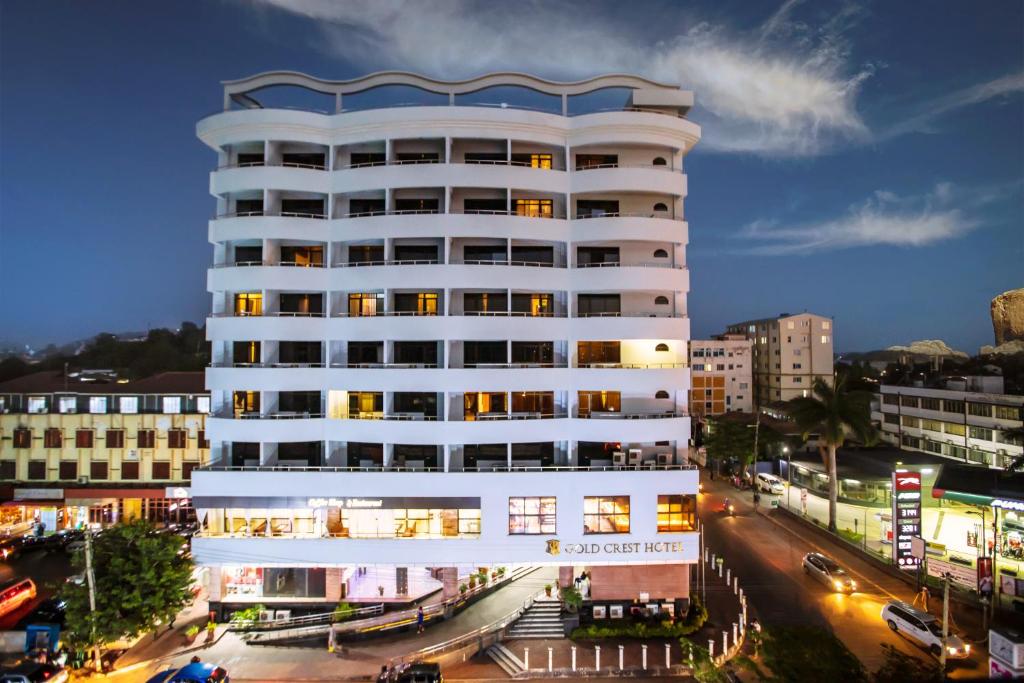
(94, 449)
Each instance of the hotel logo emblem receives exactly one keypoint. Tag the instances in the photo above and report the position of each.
(553, 548)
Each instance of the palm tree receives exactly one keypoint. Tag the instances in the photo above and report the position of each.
(833, 413)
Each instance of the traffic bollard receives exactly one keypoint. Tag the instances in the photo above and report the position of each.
(711, 648)
(728, 576)
(526, 658)
(735, 632)
(622, 650)
(668, 655)
(597, 658)
(643, 657)
(551, 660)
(573, 649)
(725, 642)
(735, 585)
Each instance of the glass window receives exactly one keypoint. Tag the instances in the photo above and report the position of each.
(129, 404)
(909, 421)
(931, 425)
(981, 433)
(890, 399)
(83, 438)
(930, 403)
(53, 437)
(953, 406)
(65, 405)
(203, 404)
(909, 401)
(37, 404)
(249, 303)
(979, 409)
(892, 418)
(172, 405)
(1007, 413)
(535, 515)
(606, 515)
(533, 208)
(955, 429)
(98, 405)
(675, 513)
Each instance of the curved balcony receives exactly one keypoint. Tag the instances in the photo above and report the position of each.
(622, 178)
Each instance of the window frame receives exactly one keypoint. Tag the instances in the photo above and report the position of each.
(526, 515)
(603, 516)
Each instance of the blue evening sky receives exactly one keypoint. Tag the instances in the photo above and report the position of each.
(863, 161)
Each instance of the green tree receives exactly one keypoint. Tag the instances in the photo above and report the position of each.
(901, 668)
(735, 440)
(805, 653)
(832, 413)
(141, 581)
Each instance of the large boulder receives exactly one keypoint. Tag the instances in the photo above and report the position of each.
(928, 347)
(1008, 316)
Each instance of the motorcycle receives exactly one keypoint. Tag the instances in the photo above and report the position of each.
(728, 507)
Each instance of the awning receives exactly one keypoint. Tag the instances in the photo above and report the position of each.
(978, 485)
(37, 502)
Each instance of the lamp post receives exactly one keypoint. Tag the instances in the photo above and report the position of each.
(982, 552)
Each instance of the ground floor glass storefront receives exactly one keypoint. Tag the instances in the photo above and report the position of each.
(337, 522)
(273, 582)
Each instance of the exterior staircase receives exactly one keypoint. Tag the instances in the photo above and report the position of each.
(543, 619)
(503, 657)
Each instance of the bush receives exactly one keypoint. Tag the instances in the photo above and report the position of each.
(652, 627)
(572, 598)
(192, 631)
(343, 611)
(806, 653)
(482, 577)
(463, 588)
(249, 615)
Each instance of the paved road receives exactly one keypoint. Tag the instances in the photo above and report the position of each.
(767, 556)
(47, 569)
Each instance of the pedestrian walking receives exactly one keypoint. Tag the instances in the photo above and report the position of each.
(419, 620)
(383, 676)
(922, 598)
(757, 500)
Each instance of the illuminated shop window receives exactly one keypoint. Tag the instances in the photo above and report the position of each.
(534, 515)
(675, 513)
(606, 515)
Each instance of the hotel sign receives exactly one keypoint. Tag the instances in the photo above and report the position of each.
(906, 517)
(556, 547)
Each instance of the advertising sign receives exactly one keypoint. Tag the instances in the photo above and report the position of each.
(985, 576)
(958, 573)
(906, 517)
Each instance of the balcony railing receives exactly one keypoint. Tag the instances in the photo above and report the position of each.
(615, 415)
(631, 366)
(621, 264)
(656, 167)
(284, 214)
(282, 264)
(394, 417)
(482, 470)
(277, 415)
(266, 365)
(386, 366)
(626, 314)
(400, 262)
(281, 164)
(625, 214)
(392, 212)
(485, 262)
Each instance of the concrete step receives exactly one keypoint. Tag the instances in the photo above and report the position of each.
(504, 658)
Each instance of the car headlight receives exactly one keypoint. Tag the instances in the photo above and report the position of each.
(838, 585)
(967, 648)
(951, 650)
(853, 585)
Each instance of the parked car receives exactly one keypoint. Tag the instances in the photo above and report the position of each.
(924, 629)
(828, 571)
(33, 672)
(196, 672)
(10, 548)
(15, 594)
(769, 483)
(421, 672)
(51, 611)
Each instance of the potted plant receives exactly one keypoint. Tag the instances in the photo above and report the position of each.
(472, 581)
(463, 588)
(483, 578)
(211, 629)
(547, 589)
(190, 633)
(571, 598)
(501, 571)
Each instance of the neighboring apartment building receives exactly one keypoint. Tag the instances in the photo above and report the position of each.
(721, 375)
(440, 334)
(790, 352)
(75, 452)
(964, 425)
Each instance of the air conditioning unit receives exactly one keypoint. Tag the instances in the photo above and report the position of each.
(132, 454)
(282, 615)
(83, 480)
(266, 615)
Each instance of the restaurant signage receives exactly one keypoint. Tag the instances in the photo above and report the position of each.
(906, 517)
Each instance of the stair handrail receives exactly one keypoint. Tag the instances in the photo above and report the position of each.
(320, 619)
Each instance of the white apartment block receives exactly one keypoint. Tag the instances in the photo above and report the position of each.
(790, 352)
(447, 336)
(964, 425)
(721, 375)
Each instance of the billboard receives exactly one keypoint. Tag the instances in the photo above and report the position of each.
(906, 517)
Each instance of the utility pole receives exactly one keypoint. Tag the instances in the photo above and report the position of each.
(945, 622)
(91, 579)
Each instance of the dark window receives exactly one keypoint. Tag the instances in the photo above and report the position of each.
(248, 254)
(241, 451)
(365, 352)
(250, 158)
(303, 304)
(129, 471)
(660, 253)
(596, 304)
(544, 451)
(660, 207)
(366, 159)
(315, 159)
(533, 304)
(595, 160)
(203, 441)
(245, 352)
(533, 352)
(418, 157)
(416, 402)
(161, 470)
(36, 469)
(485, 302)
(588, 256)
(593, 208)
(421, 205)
(114, 438)
(146, 438)
(303, 207)
(304, 256)
(290, 582)
(661, 393)
(97, 470)
(68, 470)
(22, 437)
(186, 470)
(8, 469)
(177, 438)
(483, 352)
(421, 303)
(416, 252)
(477, 157)
(299, 352)
(659, 161)
(416, 352)
(538, 254)
(359, 452)
(598, 352)
(249, 206)
(365, 253)
(308, 451)
(491, 253)
(480, 205)
(365, 206)
(661, 301)
(299, 402)
(53, 437)
(661, 347)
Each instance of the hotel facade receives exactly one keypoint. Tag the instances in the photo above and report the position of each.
(447, 336)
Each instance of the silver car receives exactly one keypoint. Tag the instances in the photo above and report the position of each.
(828, 571)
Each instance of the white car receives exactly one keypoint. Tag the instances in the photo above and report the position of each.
(924, 629)
(828, 571)
(769, 483)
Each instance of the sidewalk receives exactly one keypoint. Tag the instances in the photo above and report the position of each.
(358, 660)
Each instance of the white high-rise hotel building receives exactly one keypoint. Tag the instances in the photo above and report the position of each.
(446, 336)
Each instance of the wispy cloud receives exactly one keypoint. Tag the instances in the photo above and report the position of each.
(783, 89)
(884, 219)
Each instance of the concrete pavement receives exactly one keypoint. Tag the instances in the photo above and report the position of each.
(767, 555)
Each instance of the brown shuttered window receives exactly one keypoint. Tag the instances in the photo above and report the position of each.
(69, 470)
(177, 438)
(53, 437)
(97, 470)
(8, 469)
(147, 438)
(83, 438)
(22, 438)
(161, 470)
(115, 438)
(203, 441)
(37, 470)
(186, 470)
(129, 470)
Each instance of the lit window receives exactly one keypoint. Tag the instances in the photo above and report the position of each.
(675, 514)
(98, 405)
(203, 404)
(606, 515)
(249, 303)
(129, 404)
(172, 405)
(534, 515)
(790, 325)
(534, 208)
(66, 405)
(825, 325)
(824, 339)
(37, 404)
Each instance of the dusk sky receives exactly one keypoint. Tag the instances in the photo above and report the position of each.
(862, 161)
